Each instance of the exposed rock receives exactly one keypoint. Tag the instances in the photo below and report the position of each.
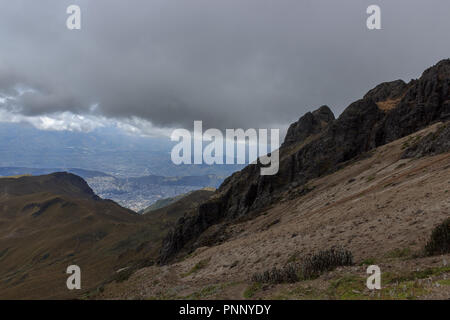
(323, 145)
(386, 91)
(434, 143)
(310, 123)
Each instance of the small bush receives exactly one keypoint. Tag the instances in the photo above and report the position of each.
(286, 274)
(327, 260)
(439, 242)
(309, 268)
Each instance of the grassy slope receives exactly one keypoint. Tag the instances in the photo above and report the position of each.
(50, 222)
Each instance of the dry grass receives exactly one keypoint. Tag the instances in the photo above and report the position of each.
(398, 208)
(388, 104)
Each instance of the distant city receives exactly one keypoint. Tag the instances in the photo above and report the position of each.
(134, 171)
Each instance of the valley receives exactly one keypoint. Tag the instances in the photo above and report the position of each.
(382, 208)
(135, 193)
(370, 187)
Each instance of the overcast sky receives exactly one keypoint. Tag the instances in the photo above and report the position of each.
(159, 64)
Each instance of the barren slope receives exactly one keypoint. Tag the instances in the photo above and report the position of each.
(382, 208)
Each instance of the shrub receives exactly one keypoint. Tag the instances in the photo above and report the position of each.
(439, 242)
(286, 274)
(327, 260)
(310, 267)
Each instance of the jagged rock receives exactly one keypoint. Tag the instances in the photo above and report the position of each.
(310, 123)
(434, 143)
(387, 90)
(317, 145)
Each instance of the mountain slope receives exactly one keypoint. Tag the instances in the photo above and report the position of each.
(52, 221)
(382, 208)
(180, 202)
(388, 112)
(135, 193)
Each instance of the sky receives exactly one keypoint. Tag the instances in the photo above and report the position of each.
(148, 67)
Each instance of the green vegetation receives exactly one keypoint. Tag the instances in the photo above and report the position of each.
(198, 266)
(444, 282)
(310, 267)
(390, 277)
(347, 287)
(286, 274)
(405, 290)
(204, 292)
(313, 266)
(305, 292)
(252, 290)
(367, 262)
(399, 253)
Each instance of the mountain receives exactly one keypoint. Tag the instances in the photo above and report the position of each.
(135, 193)
(318, 145)
(383, 208)
(164, 203)
(368, 188)
(180, 206)
(85, 174)
(52, 221)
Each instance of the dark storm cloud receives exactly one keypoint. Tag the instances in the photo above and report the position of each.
(230, 63)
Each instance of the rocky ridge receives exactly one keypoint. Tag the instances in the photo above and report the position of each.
(317, 145)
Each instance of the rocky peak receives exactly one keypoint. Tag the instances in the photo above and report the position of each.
(440, 70)
(364, 125)
(61, 183)
(387, 90)
(309, 124)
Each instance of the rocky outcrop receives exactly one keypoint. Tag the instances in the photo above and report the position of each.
(316, 145)
(387, 91)
(434, 143)
(311, 123)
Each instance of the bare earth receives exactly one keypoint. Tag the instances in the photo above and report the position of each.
(382, 209)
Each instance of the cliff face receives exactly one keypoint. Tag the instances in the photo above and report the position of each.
(311, 123)
(316, 145)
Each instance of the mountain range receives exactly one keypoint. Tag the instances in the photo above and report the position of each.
(135, 193)
(318, 144)
(52, 221)
(368, 187)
